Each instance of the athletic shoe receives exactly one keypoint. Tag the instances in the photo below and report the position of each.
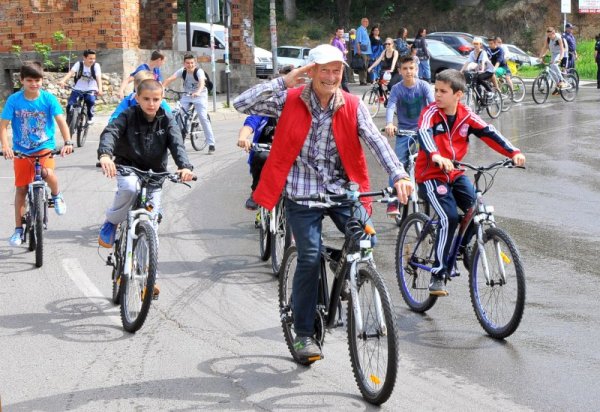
(437, 287)
(306, 347)
(555, 92)
(106, 238)
(60, 207)
(393, 210)
(251, 204)
(17, 238)
(91, 120)
(211, 149)
(563, 85)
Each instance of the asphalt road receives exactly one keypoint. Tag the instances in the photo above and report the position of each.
(213, 341)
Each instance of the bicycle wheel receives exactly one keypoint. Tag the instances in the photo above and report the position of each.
(518, 89)
(540, 90)
(570, 92)
(39, 194)
(371, 100)
(413, 248)
(197, 134)
(494, 105)
(119, 254)
(82, 129)
(280, 240)
(507, 96)
(499, 301)
(374, 347)
(264, 234)
(73, 118)
(286, 282)
(138, 288)
(573, 72)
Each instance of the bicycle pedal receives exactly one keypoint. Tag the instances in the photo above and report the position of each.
(315, 358)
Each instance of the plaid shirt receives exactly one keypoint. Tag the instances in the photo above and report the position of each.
(318, 168)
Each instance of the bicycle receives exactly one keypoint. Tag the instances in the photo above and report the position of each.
(134, 258)
(496, 273)
(188, 122)
(274, 234)
(476, 98)
(77, 117)
(518, 91)
(371, 323)
(543, 83)
(415, 203)
(37, 202)
(373, 97)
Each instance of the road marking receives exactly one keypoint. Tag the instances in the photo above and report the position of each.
(85, 285)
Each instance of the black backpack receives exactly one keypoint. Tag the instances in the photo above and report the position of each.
(79, 74)
(207, 82)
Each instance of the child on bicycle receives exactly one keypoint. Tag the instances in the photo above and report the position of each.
(32, 112)
(130, 100)
(140, 136)
(407, 99)
(193, 79)
(444, 129)
(88, 76)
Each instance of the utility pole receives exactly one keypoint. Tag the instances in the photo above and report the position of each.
(273, 25)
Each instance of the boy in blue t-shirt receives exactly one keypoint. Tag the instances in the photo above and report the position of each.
(407, 99)
(157, 59)
(130, 100)
(32, 112)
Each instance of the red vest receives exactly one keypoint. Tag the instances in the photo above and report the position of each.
(290, 134)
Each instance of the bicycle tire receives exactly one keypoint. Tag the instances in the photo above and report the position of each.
(74, 116)
(264, 235)
(410, 208)
(82, 128)
(286, 281)
(137, 291)
(519, 89)
(494, 107)
(376, 342)
(412, 281)
(573, 72)
(281, 239)
(500, 252)
(29, 227)
(371, 99)
(540, 89)
(197, 136)
(118, 253)
(570, 93)
(507, 96)
(39, 197)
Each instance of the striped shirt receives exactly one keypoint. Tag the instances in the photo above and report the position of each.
(318, 168)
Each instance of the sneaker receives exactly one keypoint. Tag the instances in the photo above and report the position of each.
(393, 210)
(211, 149)
(437, 287)
(306, 347)
(555, 92)
(60, 207)
(91, 120)
(562, 85)
(251, 204)
(490, 95)
(17, 238)
(106, 238)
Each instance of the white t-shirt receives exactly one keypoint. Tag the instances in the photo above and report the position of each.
(482, 59)
(554, 45)
(86, 82)
(190, 84)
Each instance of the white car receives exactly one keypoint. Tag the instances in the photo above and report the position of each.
(292, 55)
(521, 57)
(263, 60)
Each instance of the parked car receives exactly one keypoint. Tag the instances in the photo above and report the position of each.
(200, 39)
(294, 55)
(461, 42)
(521, 57)
(263, 60)
(442, 56)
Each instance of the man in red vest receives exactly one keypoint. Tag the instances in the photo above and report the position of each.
(316, 149)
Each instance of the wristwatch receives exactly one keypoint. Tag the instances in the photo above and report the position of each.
(68, 143)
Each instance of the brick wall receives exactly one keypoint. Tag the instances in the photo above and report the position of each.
(242, 32)
(157, 18)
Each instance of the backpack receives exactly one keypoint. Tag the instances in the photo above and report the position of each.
(79, 74)
(207, 82)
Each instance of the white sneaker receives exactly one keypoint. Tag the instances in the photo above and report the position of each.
(60, 207)
(91, 121)
(17, 238)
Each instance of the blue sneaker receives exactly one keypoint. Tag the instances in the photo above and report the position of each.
(60, 207)
(17, 238)
(106, 238)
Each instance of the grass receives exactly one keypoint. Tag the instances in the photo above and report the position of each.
(585, 64)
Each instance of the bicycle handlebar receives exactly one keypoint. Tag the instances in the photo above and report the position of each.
(349, 196)
(25, 156)
(178, 93)
(260, 147)
(173, 177)
(508, 163)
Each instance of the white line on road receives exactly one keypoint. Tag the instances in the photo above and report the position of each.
(85, 285)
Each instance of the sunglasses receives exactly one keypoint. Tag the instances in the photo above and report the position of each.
(549, 31)
(388, 44)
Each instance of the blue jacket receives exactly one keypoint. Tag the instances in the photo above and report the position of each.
(257, 124)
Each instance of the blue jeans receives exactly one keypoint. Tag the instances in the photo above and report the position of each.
(424, 70)
(402, 152)
(446, 198)
(307, 224)
(89, 99)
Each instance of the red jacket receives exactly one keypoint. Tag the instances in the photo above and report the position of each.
(434, 138)
(291, 133)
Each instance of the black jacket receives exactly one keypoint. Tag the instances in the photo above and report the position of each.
(134, 141)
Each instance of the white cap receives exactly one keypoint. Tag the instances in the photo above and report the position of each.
(326, 53)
